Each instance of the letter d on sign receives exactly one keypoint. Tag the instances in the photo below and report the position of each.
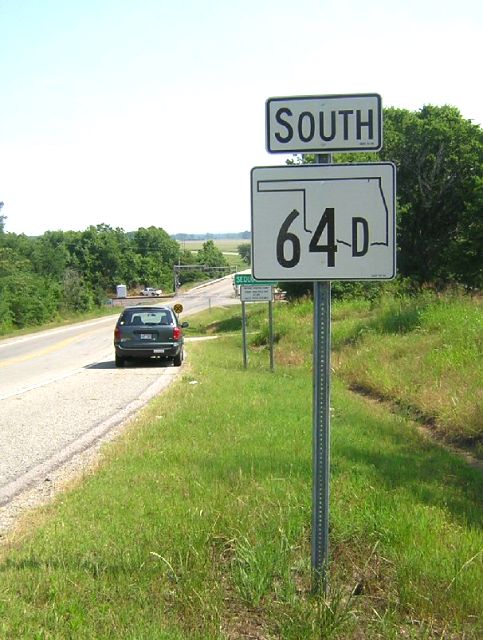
(356, 224)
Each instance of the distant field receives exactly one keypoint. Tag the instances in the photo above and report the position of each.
(223, 245)
(228, 247)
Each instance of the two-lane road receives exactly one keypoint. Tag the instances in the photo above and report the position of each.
(60, 391)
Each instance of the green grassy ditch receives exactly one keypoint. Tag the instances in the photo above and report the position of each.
(197, 522)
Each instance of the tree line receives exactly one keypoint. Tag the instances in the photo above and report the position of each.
(65, 272)
(439, 160)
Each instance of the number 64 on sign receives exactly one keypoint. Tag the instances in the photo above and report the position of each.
(324, 222)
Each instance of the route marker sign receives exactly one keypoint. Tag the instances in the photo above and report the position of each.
(323, 222)
(308, 124)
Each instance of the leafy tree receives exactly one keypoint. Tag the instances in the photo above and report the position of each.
(465, 253)
(50, 255)
(12, 262)
(158, 253)
(6, 315)
(77, 295)
(189, 275)
(155, 241)
(245, 252)
(439, 159)
(105, 259)
(19, 243)
(29, 299)
(26, 298)
(2, 220)
(210, 256)
(103, 255)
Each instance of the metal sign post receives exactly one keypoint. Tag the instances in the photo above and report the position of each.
(321, 431)
(321, 223)
(321, 437)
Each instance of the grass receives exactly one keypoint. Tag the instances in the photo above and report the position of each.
(197, 522)
(228, 247)
(425, 354)
(235, 261)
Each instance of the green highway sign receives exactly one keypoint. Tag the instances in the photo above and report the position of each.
(247, 278)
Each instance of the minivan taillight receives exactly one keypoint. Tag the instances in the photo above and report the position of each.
(117, 334)
(177, 333)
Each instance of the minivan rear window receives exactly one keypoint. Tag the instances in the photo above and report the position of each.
(144, 317)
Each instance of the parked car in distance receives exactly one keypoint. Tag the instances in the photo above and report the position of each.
(149, 332)
(151, 292)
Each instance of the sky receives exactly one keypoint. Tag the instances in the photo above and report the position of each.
(152, 112)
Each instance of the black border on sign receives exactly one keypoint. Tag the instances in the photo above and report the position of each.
(327, 148)
(329, 167)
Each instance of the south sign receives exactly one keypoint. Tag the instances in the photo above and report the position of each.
(324, 123)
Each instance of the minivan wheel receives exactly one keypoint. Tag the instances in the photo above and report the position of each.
(178, 359)
(120, 361)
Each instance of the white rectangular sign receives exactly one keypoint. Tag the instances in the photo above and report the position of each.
(324, 222)
(255, 293)
(309, 124)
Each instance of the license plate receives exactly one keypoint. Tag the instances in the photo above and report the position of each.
(145, 336)
(158, 350)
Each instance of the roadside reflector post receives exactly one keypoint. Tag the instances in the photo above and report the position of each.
(270, 332)
(244, 335)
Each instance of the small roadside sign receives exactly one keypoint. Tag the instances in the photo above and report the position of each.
(247, 278)
(256, 293)
(311, 124)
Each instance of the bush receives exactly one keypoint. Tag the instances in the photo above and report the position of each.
(28, 300)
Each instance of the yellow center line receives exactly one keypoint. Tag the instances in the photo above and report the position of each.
(42, 352)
